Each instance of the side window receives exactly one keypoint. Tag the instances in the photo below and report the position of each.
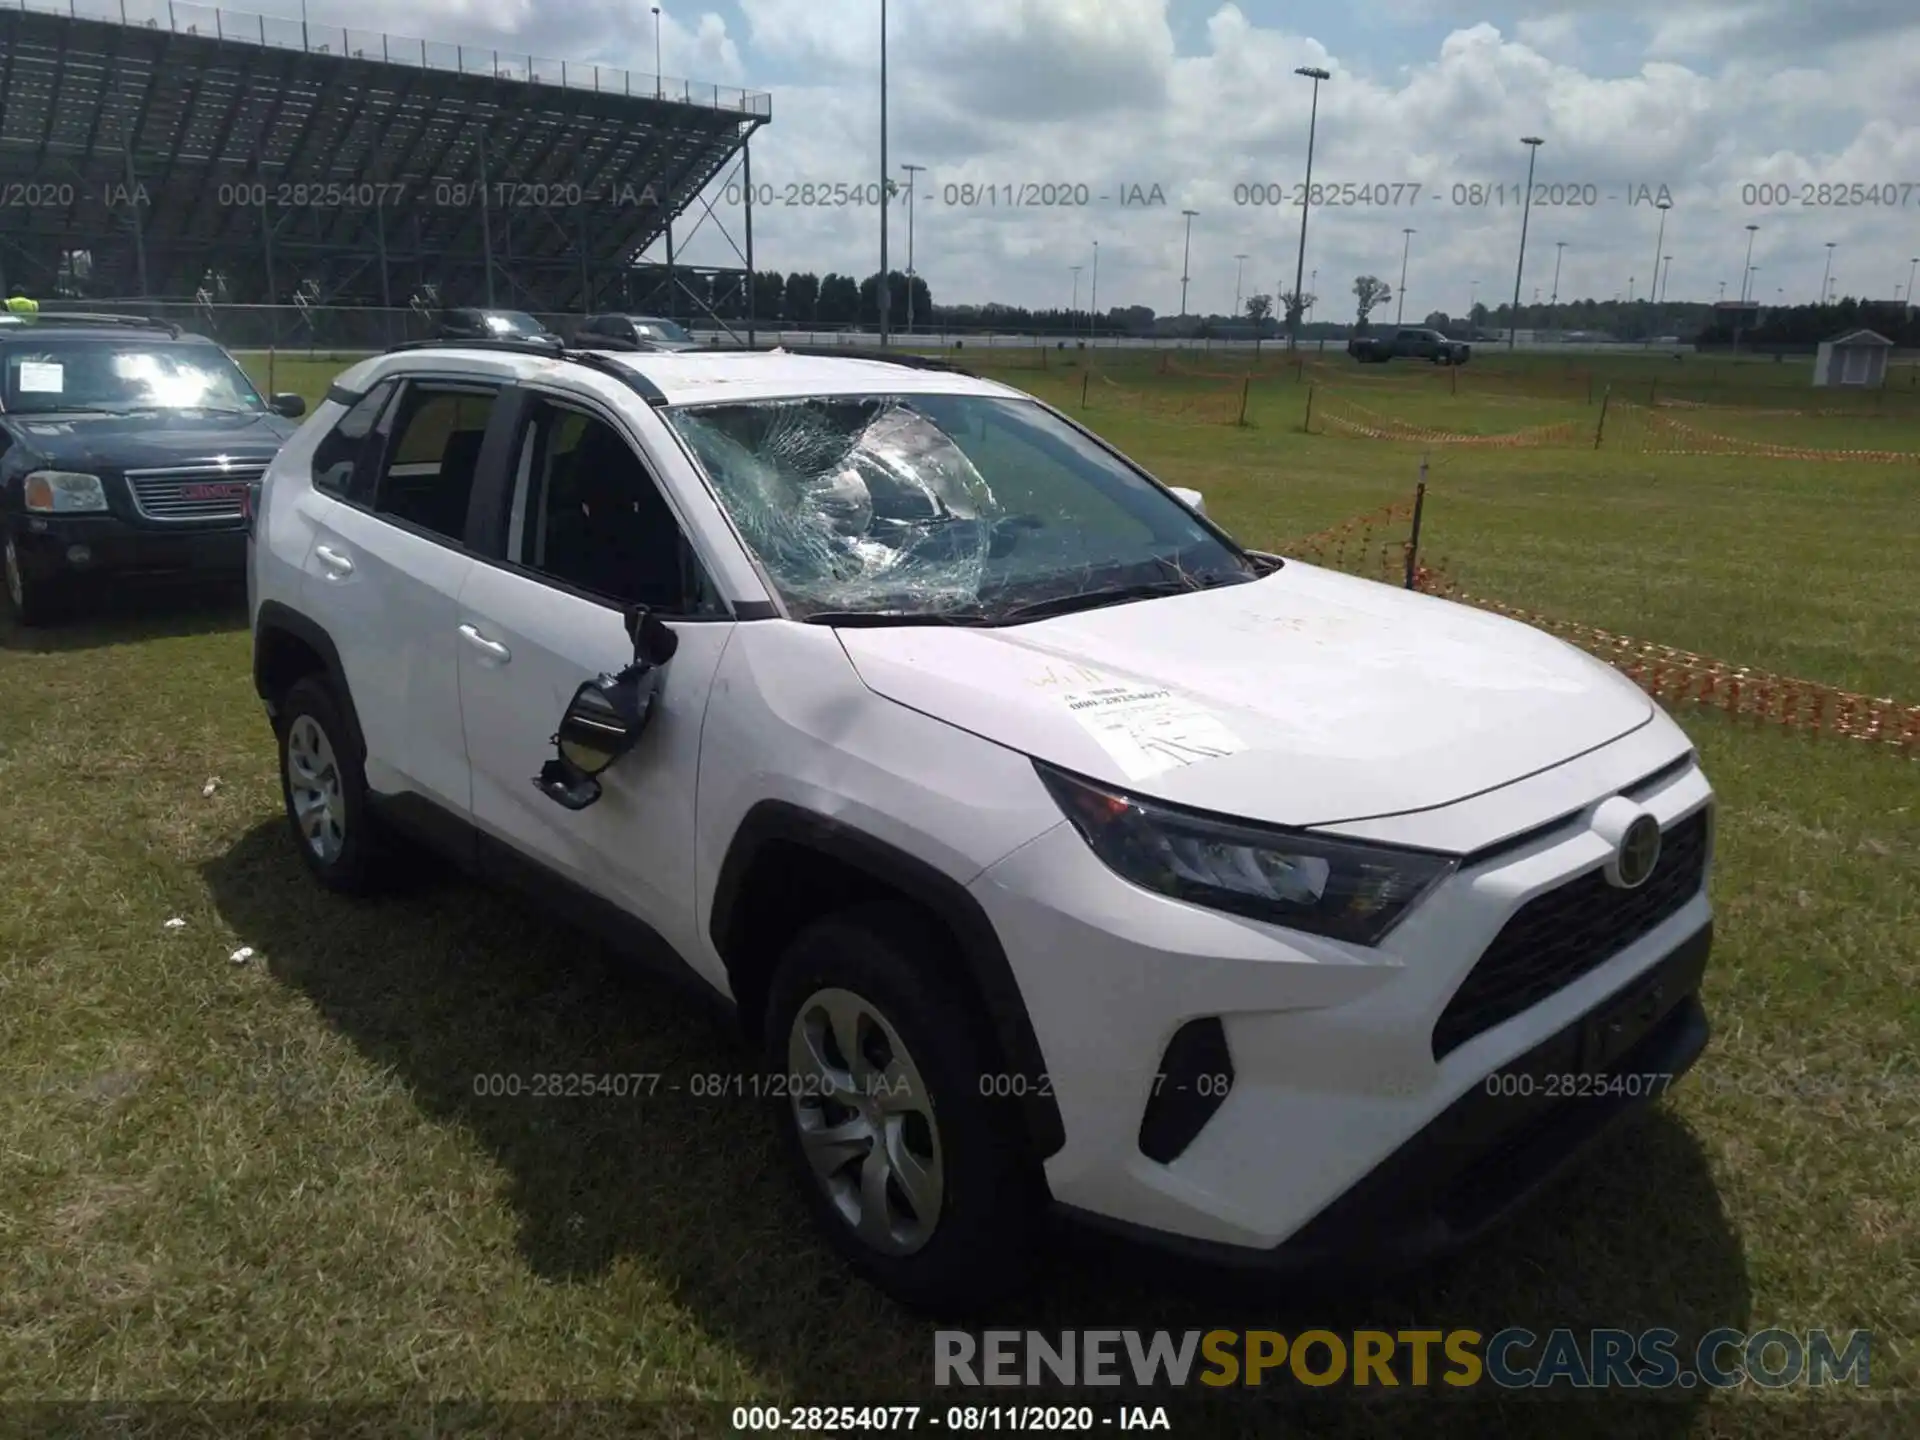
(588, 514)
(343, 452)
(431, 459)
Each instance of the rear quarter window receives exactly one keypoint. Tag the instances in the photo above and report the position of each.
(342, 462)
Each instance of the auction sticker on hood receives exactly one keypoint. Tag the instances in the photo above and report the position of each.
(1148, 729)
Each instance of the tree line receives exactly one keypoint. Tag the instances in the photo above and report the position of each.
(803, 298)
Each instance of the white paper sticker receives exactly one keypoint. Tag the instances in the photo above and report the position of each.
(1148, 730)
(41, 377)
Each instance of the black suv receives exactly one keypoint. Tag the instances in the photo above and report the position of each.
(470, 324)
(647, 331)
(126, 447)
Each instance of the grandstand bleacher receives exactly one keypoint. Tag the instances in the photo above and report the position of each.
(180, 151)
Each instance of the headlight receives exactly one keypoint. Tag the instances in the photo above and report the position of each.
(64, 492)
(1339, 888)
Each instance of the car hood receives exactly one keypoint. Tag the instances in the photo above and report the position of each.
(1306, 698)
(150, 441)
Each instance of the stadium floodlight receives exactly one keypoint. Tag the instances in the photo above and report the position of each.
(1315, 74)
(1186, 255)
(659, 84)
(1653, 285)
(1533, 144)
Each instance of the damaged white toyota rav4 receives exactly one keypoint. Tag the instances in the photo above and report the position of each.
(1060, 858)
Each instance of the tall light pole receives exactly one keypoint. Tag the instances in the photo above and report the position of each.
(1748, 262)
(1093, 296)
(1666, 274)
(1239, 272)
(1315, 74)
(1406, 246)
(1553, 297)
(1473, 302)
(659, 85)
(1533, 144)
(1313, 284)
(1653, 285)
(1829, 273)
(910, 171)
(1186, 254)
(1074, 314)
(1912, 265)
(885, 297)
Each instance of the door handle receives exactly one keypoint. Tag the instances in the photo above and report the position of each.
(492, 649)
(336, 562)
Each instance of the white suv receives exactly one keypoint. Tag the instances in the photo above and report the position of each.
(1055, 853)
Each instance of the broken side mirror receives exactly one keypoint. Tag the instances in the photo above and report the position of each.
(606, 717)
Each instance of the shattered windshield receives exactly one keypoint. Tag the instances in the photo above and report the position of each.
(927, 504)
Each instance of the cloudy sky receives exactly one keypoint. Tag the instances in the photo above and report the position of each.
(1704, 97)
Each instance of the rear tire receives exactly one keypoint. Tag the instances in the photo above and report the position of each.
(904, 1163)
(35, 603)
(325, 789)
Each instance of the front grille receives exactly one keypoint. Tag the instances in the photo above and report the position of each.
(193, 492)
(1555, 938)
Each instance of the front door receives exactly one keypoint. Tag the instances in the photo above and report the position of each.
(589, 534)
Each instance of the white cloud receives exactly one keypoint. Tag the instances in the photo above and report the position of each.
(1701, 96)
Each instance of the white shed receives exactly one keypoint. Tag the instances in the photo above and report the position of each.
(1858, 357)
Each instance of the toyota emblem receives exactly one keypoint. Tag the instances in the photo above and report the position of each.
(1639, 852)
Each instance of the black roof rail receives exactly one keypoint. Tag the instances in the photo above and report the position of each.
(598, 359)
(554, 348)
(614, 342)
(521, 344)
(84, 317)
(837, 352)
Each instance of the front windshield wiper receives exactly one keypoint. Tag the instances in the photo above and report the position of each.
(874, 618)
(1114, 595)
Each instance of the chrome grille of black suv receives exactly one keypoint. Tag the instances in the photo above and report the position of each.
(193, 492)
(1555, 938)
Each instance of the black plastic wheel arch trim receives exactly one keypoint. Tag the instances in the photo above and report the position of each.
(976, 944)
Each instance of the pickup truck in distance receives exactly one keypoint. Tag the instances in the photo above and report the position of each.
(1409, 345)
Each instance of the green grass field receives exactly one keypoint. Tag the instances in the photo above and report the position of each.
(275, 1180)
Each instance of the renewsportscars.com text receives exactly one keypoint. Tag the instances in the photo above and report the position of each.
(1512, 1358)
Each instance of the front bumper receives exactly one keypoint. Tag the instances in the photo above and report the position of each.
(57, 547)
(1495, 1147)
(1333, 1051)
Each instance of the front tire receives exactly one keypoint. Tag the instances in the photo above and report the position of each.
(35, 603)
(325, 789)
(898, 1153)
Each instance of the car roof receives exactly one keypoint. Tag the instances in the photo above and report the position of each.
(692, 377)
(51, 328)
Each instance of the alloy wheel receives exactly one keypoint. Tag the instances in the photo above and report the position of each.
(866, 1121)
(313, 783)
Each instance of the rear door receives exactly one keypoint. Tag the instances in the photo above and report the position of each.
(587, 534)
(384, 575)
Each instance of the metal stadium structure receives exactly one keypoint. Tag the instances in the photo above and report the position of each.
(183, 153)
